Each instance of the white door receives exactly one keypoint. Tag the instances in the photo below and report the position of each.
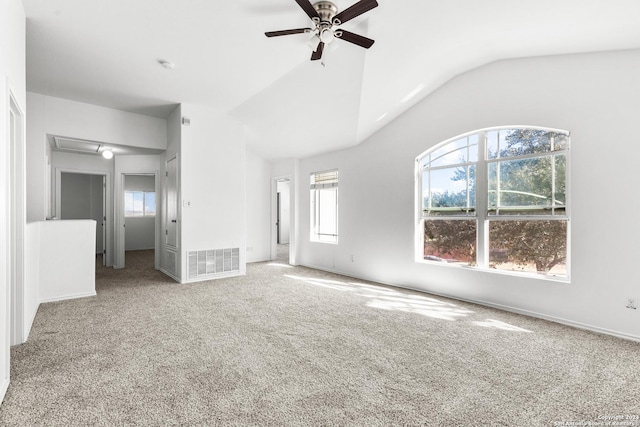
(104, 220)
(171, 231)
(171, 220)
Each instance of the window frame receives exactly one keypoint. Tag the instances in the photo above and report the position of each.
(144, 210)
(481, 213)
(315, 217)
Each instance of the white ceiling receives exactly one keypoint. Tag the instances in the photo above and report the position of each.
(106, 53)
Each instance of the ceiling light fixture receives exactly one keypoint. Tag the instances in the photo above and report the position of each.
(107, 154)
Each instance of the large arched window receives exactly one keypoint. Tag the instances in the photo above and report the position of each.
(496, 199)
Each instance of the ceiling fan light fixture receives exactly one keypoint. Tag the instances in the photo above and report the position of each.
(313, 42)
(326, 35)
(325, 17)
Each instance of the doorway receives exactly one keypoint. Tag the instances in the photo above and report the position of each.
(83, 196)
(283, 219)
(139, 220)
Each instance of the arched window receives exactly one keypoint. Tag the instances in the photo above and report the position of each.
(496, 199)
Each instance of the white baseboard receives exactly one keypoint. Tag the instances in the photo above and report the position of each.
(169, 274)
(29, 324)
(67, 297)
(510, 309)
(3, 389)
(214, 277)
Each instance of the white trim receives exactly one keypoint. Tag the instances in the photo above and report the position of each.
(177, 279)
(3, 389)
(29, 324)
(274, 216)
(68, 297)
(510, 309)
(17, 206)
(120, 217)
(213, 277)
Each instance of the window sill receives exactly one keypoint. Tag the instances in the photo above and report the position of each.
(329, 242)
(524, 275)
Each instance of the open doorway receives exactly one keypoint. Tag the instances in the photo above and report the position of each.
(83, 196)
(139, 221)
(283, 215)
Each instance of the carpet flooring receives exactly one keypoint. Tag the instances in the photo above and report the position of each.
(291, 346)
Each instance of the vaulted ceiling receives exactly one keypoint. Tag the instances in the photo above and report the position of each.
(106, 53)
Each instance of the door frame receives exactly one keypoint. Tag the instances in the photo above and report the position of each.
(107, 207)
(274, 218)
(120, 219)
(16, 219)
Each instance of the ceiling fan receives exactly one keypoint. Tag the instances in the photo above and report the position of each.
(325, 18)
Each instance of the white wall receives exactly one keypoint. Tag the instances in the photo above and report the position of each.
(32, 275)
(12, 81)
(67, 262)
(258, 208)
(594, 96)
(213, 183)
(73, 119)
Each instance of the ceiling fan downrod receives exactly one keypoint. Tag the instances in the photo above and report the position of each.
(326, 10)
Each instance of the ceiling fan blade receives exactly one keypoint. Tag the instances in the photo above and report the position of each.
(355, 39)
(308, 8)
(354, 10)
(317, 54)
(286, 32)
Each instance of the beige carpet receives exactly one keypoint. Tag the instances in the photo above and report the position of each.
(287, 346)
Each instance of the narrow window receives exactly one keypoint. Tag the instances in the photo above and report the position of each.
(497, 199)
(324, 206)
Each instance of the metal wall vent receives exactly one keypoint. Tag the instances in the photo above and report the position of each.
(213, 262)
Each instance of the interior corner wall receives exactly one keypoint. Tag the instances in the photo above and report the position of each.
(38, 202)
(212, 184)
(258, 211)
(594, 96)
(12, 82)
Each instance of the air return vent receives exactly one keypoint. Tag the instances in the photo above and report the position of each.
(213, 262)
(78, 145)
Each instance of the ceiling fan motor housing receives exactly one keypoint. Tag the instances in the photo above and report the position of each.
(326, 9)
